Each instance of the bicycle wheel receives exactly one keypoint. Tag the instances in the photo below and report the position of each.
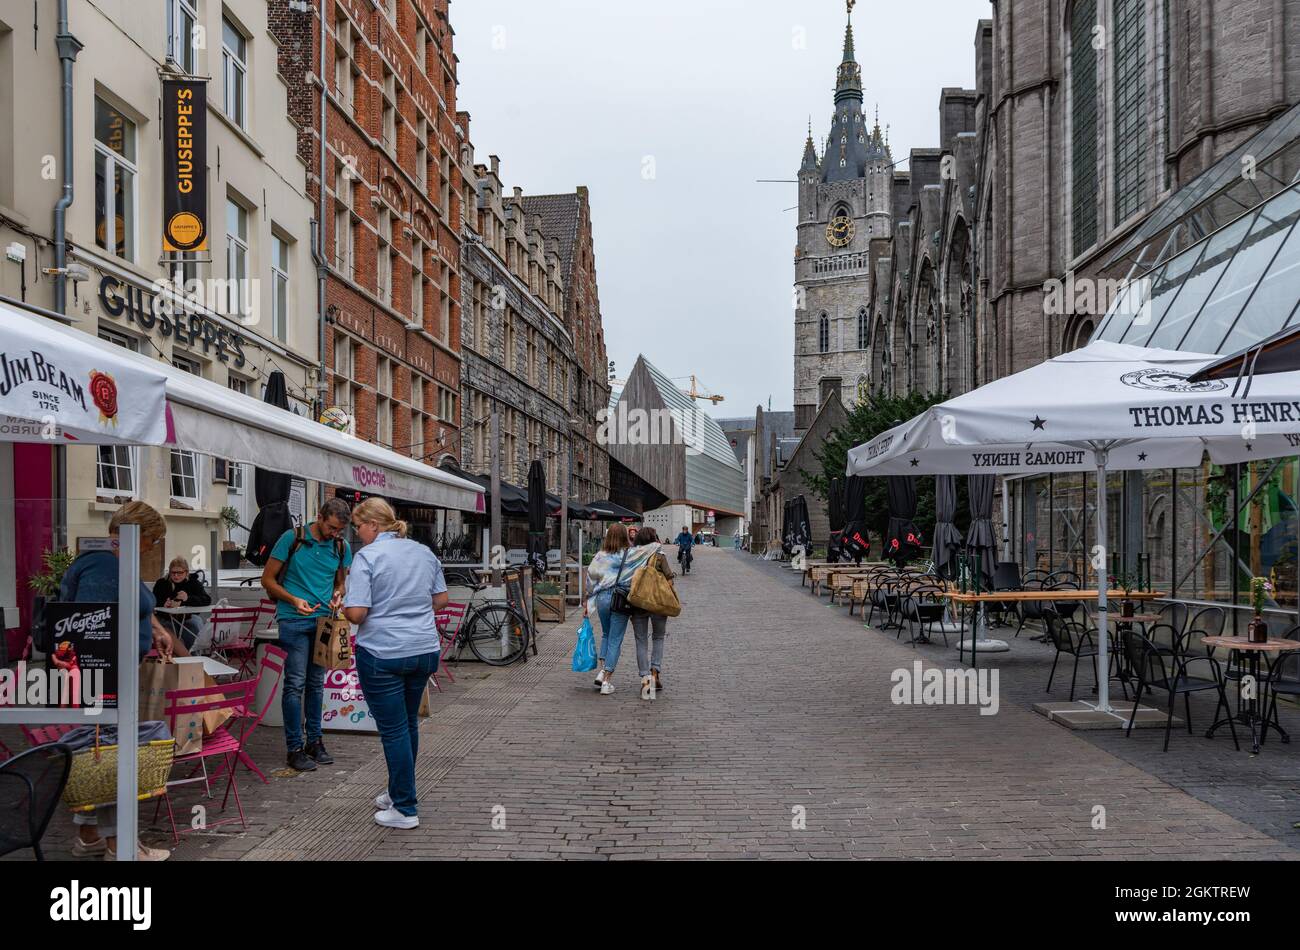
(498, 634)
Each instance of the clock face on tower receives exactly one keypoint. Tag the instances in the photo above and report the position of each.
(839, 233)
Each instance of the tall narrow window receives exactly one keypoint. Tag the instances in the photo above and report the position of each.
(863, 329)
(182, 17)
(824, 334)
(1130, 107)
(115, 172)
(238, 299)
(234, 65)
(279, 287)
(1083, 120)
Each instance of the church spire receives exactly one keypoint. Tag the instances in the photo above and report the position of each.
(846, 155)
(848, 83)
(809, 152)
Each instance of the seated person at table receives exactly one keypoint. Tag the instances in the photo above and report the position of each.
(180, 588)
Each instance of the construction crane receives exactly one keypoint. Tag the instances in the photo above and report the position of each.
(695, 392)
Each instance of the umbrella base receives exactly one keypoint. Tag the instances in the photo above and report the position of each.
(1084, 714)
(985, 646)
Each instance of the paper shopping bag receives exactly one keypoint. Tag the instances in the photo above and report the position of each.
(160, 676)
(214, 719)
(333, 645)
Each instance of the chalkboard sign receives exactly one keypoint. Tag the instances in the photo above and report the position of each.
(83, 663)
(519, 591)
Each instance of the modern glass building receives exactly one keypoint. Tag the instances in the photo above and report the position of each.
(1213, 270)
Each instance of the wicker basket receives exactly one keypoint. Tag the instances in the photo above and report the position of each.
(93, 779)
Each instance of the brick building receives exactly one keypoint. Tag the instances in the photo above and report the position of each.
(567, 218)
(392, 210)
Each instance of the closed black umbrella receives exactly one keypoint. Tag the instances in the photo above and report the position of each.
(537, 508)
(270, 488)
(835, 517)
(800, 526)
(947, 539)
(979, 543)
(856, 542)
(902, 539)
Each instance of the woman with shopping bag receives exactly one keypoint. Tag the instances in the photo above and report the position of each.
(610, 574)
(655, 598)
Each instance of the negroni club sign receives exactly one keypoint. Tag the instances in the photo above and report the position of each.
(156, 313)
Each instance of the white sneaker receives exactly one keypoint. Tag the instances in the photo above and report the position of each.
(392, 818)
(647, 687)
(383, 802)
(600, 677)
(606, 688)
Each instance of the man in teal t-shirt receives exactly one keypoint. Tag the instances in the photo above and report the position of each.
(305, 576)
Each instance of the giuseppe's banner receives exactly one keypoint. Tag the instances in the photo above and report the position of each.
(185, 189)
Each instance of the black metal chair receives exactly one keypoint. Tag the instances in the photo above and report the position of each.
(31, 784)
(1065, 580)
(885, 597)
(1072, 639)
(1028, 610)
(922, 604)
(1155, 670)
(1282, 681)
(1006, 576)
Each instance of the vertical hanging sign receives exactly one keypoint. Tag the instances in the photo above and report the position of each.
(185, 191)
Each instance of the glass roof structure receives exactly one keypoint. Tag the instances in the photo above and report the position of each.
(1254, 171)
(1229, 290)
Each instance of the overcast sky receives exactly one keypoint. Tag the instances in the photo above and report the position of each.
(669, 111)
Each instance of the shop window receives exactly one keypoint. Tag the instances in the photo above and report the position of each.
(115, 181)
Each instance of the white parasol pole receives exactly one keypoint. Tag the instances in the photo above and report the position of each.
(1103, 582)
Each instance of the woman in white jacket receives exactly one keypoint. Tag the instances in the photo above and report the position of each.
(613, 566)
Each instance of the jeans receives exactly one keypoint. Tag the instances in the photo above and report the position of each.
(393, 690)
(304, 681)
(647, 657)
(613, 627)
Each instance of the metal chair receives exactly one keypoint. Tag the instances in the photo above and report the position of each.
(1072, 639)
(1006, 576)
(31, 785)
(922, 604)
(1281, 683)
(1027, 610)
(1155, 670)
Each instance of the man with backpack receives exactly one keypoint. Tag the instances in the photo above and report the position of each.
(305, 576)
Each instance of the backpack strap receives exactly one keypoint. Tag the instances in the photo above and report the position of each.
(293, 549)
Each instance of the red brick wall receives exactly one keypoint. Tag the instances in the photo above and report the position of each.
(353, 305)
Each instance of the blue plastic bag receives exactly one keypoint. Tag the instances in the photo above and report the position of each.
(584, 653)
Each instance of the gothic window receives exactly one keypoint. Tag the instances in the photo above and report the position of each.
(844, 140)
(1130, 106)
(862, 329)
(1083, 116)
(843, 162)
(824, 334)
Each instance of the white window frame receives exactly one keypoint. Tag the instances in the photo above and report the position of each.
(234, 68)
(279, 281)
(183, 456)
(174, 39)
(113, 161)
(236, 259)
(123, 459)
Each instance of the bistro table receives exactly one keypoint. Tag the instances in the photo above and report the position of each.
(1255, 702)
(178, 615)
(1013, 596)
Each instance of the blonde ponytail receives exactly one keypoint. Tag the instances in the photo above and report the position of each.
(378, 512)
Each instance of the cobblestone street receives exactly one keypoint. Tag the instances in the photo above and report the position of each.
(776, 705)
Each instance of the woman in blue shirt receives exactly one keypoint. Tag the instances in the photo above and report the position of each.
(93, 578)
(394, 588)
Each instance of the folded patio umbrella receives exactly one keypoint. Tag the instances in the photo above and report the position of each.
(947, 539)
(537, 511)
(801, 526)
(272, 487)
(980, 542)
(856, 542)
(1102, 407)
(902, 539)
(835, 517)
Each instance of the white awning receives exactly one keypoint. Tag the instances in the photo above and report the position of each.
(213, 420)
(63, 386)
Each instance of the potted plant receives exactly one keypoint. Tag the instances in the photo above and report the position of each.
(1261, 589)
(45, 584)
(548, 602)
(229, 550)
(1127, 582)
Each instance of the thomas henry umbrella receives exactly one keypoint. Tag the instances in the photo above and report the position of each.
(947, 539)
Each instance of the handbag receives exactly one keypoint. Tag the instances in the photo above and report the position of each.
(652, 591)
(619, 603)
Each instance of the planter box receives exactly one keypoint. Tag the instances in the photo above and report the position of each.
(549, 607)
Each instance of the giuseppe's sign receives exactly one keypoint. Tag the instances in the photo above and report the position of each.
(185, 191)
(158, 313)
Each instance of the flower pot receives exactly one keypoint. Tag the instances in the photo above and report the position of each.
(1258, 630)
(230, 560)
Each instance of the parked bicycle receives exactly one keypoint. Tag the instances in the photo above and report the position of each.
(496, 633)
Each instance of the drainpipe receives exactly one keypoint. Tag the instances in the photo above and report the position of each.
(68, 48)
(322, 264)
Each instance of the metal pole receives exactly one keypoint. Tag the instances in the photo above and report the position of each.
(1006, 520)
(1103, 662)
(215, 558)
(128, 689)
(564, 521)
(581, 573)
(495, 538)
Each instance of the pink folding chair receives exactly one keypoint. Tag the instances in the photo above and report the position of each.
(232, 635)
(449, 619)
(221, 743)
(272, 665)
(39, 735)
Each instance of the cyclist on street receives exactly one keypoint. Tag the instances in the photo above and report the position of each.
(685, 541)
